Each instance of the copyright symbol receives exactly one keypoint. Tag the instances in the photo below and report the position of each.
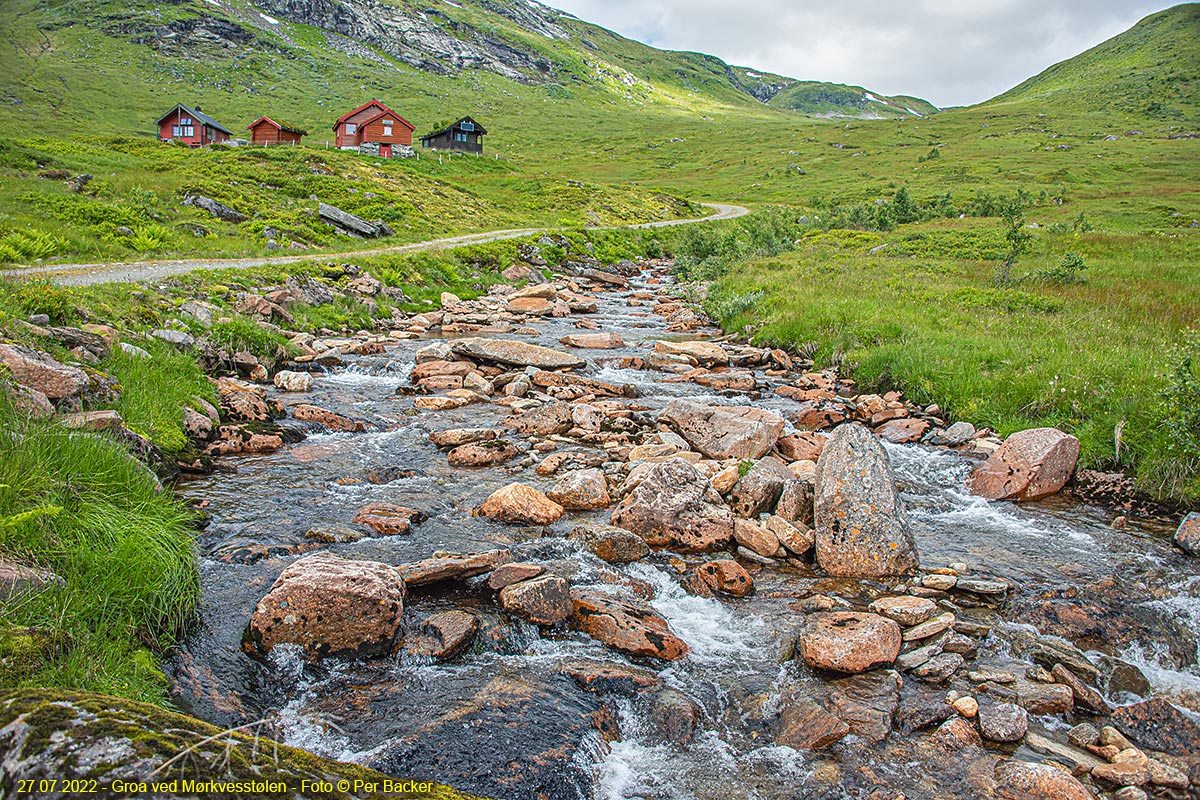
(343, 786)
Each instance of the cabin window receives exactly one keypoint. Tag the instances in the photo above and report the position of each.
(351, 128)
(387, 122)
(460, 137)
(387, 129)
(183, 131)
(185, 120)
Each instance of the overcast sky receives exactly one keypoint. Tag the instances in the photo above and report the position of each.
(949, 52)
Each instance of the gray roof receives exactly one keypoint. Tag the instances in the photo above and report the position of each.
(205, 119)
(478, 128)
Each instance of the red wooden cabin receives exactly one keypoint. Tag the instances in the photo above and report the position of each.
(191, 126)
(373, 122)
(265, 130)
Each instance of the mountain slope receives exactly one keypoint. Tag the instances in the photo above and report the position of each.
(1153, 69)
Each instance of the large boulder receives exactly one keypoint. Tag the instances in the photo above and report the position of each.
(631, 626)
(328, 604)
(521, 505)
(848, 641)
(759, 489)
(545, 600)
(675, 506)
(581, 490)
(42, 373)
(723, 432)
(516, 354)
(706, 354)
(861, 528)
(611, 543)
(1030, 464)
(1187, 535)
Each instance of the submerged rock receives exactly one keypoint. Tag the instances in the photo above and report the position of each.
(443, 635)
(861, 527)
(328, 604)
(611, 543)
(1031, 464)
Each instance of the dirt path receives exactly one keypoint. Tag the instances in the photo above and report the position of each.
(90, 274)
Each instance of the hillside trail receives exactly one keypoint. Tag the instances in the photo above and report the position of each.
(156, 269)
(482, 696)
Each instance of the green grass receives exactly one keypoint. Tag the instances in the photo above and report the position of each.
(124, 548)
(155, 391)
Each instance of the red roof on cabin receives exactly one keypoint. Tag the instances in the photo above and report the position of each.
(383, 110)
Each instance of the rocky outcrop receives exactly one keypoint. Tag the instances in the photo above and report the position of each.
(69, 735)
(861, 527)
(723, 432)
(1031, 464)
(848, 641)
(218, 210)
(627, 625)
(515, 354)
(349, 223)
(328, 604)
(42, 373)
(676, 507)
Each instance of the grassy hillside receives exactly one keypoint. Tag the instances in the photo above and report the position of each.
(838, 100)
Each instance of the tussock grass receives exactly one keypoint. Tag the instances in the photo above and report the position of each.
(155, 390)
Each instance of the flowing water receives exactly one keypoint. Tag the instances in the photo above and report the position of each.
(503, 721)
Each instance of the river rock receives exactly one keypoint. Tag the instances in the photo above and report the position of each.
(328, 604)
(456, 567)
(757, 539)
(455, 437)
(1085, 696)
(514, 353)
(508, 574)
(610, 543)
(1029, 465)
(723, 432)
(796, 501)
(1187, 535)
(797, 538)
(801, 446)
(483, 453)
(443, 636)
(388, 519)
(867, 703)
(1003, 722)
(758, 490)
(582, 490)
(519, 504)
(861, 527)
(1045, 698)
(42, 373)
(1158, 725)
(593, 341)
(631, 626)
(675, 506)
(902, 431)
(545, 600)
(848, 641)
(905, 609)
(805, 725)
(706, 354)
(286, 381)
(1022, 780)
(606, 678)
(545, 420)
(724, 576)
(676, 715)
(330, 419)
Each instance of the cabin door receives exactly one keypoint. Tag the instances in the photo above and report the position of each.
(385, 150)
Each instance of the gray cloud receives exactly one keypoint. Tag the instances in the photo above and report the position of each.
(950, 52)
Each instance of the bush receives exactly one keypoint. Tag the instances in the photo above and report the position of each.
(1068, 270)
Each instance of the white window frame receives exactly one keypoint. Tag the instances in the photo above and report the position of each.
(351, 128)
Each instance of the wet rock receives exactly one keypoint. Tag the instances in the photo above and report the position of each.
(724, 576)
(867, 703)
(483, 453)
(388, 519)
(1021, 780)
(1029, 465)
(955, 734)
(674, 506)
(757, 539)
(443, 636)
(1080, 761)
(940, 668)
(905, 609)
(514, 353)
(286, 381)
(1086, 697)
(848, 641)
(933, 627)
(1187, 535)
(902, 431)
(860, 522)
(817, 415)
(593, 341)
(544, 600)
(758, 490)
(610, 543)
(535, 306)
(440, 403)
(581, 383)
(966, 706)
(328, 604)
(1045, 698)
(582, 490)
(456, 437)
(1122, 773)
(1002, 722)
(805, 725)
(330, 419)
(676, 715)
(1165, 775)
(921, 709)
(452, 567)
(508, 574)
(706, 354)
(519, 504)
(628, 625)
(605, 678)
(723, 432)
(1158, 725)
(42, 373)
(1084, 734)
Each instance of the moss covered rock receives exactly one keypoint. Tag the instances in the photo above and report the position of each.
(67, 736)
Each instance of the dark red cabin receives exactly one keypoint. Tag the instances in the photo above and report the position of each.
(191, 126)
(265, 130)
(373, 122)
